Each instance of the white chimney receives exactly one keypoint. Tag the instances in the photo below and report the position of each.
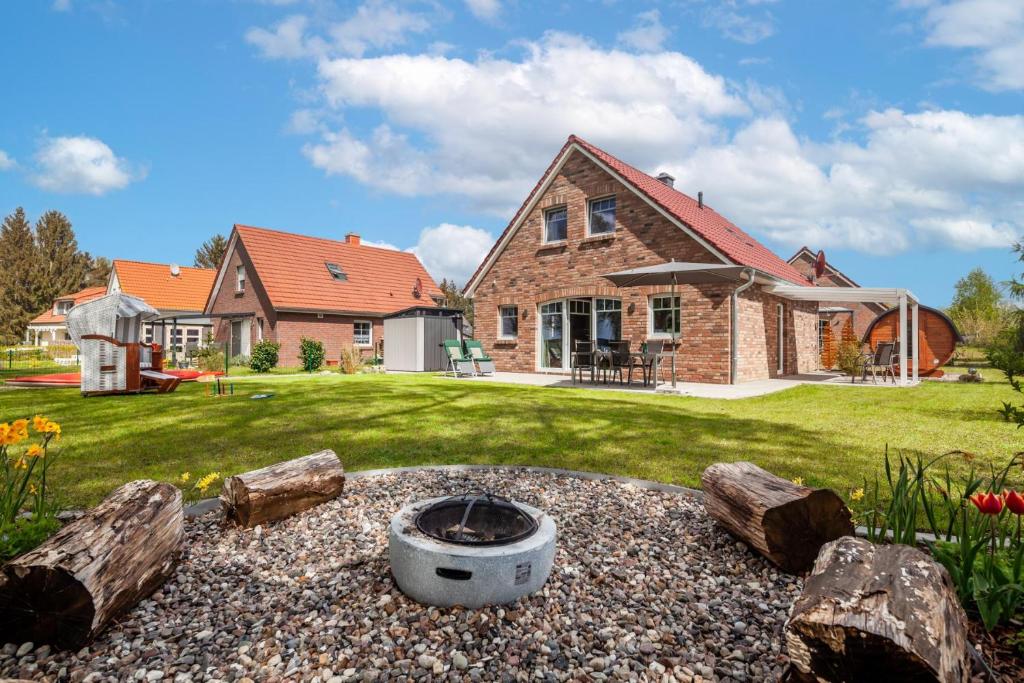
(666, 178)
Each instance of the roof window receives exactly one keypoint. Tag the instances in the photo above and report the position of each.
(336, 272)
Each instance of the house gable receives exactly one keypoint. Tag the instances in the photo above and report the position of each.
(224, 301)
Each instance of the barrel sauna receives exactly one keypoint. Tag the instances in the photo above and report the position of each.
(937, 337)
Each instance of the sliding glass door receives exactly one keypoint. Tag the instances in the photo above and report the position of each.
(552, 352)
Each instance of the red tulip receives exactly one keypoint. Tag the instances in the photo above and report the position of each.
(1014, 501)
(987, 503)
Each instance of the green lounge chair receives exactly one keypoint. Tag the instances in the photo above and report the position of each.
(484, 363)
(459, 364)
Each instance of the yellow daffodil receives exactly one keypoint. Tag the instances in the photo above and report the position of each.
(35, 451)
(20, 425)
(856, 495)
(799, 481)
(31, 489)
(205, 482)
(185, 476)
(51, 427)
(38, 423)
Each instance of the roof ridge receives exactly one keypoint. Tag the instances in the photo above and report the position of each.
(322, 239)
(155, 263)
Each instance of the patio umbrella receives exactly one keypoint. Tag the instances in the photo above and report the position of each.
(675, 273)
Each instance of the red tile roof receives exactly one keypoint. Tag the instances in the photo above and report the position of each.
(732, 242)
(48, 317)
(154, 284)
(292, 269)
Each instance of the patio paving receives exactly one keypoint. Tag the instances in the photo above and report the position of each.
(752, 389)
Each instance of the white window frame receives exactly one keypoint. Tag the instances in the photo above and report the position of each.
(501, 318)
(544, 227)
(651, 334)
(63, 307)
(780, 332)
(239, 278)
(590, 213)
(366, 344)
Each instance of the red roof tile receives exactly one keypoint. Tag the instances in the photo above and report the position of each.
(292, 269)
(48, 317)
(154, 284)
(732, 242)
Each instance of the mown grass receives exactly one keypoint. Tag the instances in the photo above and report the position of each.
(829, 436)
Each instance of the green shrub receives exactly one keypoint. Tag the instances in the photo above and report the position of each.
(210, 359)
(351, 360)
(849, 358)
(264, 356)
(311, 353)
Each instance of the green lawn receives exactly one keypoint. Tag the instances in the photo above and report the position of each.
(832, 436)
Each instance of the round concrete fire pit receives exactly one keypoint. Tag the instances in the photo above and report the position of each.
(471, 550)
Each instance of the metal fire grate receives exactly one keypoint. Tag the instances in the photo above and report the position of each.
(476, 519)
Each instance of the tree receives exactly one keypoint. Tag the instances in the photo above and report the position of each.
(60, 267)
(99, 271)
(210, 254)
(453, 298)
(18, 302)
(978, 308)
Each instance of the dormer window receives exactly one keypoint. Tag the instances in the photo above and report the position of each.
(63, 307)
(336, 272)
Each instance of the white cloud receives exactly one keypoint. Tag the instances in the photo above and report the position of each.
(648, 34)
(380, 245)
(81, 164)
(452, 251)
(485, 10)
(521, 110)
(736, 21)
(376, 24)
(6, 161)
(992, 29)
(933, 179)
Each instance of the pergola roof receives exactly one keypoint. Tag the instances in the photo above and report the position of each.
(868, 295)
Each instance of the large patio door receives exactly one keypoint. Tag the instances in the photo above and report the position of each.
(552, 353)
(579, 323)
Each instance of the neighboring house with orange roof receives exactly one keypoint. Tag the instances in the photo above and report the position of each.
(540, 294)
(282, 286)
(178, 292)
(50, 327)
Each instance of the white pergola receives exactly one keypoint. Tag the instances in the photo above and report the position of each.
(883, 295)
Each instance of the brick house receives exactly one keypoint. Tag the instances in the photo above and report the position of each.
(836, 314)
(540, 288)
(50, 326)
(282, 286)
(178, 292)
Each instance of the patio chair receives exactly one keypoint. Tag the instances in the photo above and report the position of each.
(880, 361)
(656, 349)
(484, 363)
(459, 364)
(583, 358)
(621, 359)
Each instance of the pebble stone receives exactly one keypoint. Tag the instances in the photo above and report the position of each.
(644, 587)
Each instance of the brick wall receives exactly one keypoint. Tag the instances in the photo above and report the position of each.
(335, 331)
(529, 273)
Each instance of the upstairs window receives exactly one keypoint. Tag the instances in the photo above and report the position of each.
(240, 278)
(602, 216)
(508, 322)
(336, 272)
(63, 307)
(556, 223)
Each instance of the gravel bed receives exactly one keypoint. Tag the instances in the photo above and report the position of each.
(644, 587)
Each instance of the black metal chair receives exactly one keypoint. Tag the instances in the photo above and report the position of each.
(583, 358)
(619, 359)
(881, 360)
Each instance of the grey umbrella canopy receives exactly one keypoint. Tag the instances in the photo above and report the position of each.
(676, 273)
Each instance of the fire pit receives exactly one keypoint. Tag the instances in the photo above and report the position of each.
(472, 550)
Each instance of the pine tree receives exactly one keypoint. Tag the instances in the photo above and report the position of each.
(453, 298)
(210, 254)
(60, 267)
(18, 303)
(99, 271)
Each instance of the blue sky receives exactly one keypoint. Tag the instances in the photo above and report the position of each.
(890, 133)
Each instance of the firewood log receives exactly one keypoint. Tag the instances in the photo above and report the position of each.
(877, 613)
(785, 522)
(281, 490)
(65, 591)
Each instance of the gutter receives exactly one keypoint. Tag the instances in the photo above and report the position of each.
(734, 332)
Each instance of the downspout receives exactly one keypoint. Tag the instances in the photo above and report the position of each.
(734, 326)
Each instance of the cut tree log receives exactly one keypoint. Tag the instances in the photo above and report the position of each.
(877, 613)
(65, 591)
(283, 489)
(785, 522)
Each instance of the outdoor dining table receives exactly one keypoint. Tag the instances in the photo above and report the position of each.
(604, 358)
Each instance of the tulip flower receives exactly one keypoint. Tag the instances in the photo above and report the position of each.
(1014, 502)
(987, 503)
